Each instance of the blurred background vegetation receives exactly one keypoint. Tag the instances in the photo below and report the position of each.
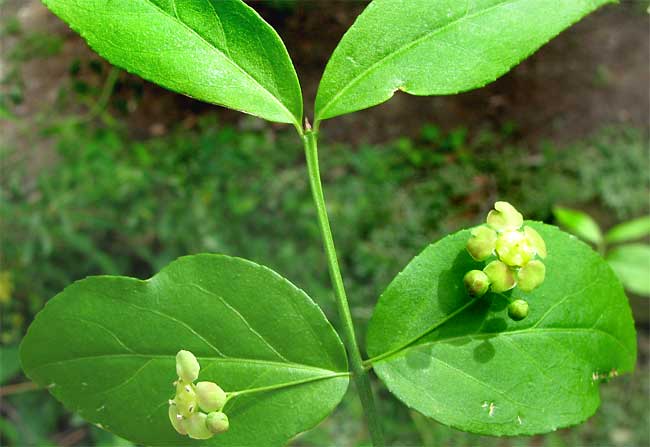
(103, 173)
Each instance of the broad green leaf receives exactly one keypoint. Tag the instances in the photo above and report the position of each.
(629, 231)
(218, 51)
(441, 47)
(106, 348)
(631, 262)
(579, 223)
(463, 362)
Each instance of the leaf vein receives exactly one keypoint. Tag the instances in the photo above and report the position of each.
(173, 357)
(170, 317)
(109, 331)
(240, 316)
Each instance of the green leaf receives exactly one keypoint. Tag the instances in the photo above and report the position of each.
(579, 223)
(463, 362)
(629, 231)
(441, 47)
(106, 348)
(218, 51)
(631, 262)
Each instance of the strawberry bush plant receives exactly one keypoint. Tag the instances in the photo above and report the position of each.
(503, 329)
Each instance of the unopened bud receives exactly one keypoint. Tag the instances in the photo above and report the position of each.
(518, 310)
(210, 396)
(482, 243)
(504, 217)
(217, 422)
(501, 276)
(531, 275)
(476, 282)
(176, 419)
(187, 367)
(196, 426)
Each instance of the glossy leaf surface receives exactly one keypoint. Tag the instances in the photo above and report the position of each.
(631, 262)
(463, 362)
(441, 47)
(201, 48)
(106, 348)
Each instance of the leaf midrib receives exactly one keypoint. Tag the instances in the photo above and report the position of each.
(532, 330)
(413, 341)
(227, 58)
(212, 360)
(406, 47)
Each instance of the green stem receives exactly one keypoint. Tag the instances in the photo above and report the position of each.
(107, 91)
(360, 374)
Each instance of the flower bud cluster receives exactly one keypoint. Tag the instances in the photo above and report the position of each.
(513, 253)
(196, 409)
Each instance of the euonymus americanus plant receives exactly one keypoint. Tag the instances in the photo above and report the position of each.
(504, 329)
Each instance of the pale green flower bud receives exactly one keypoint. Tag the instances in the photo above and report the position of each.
(531, 275)
(196, 426)
(176, 419)
(217, 422)
(210, 396)
(476, 282)
(187, 367)
(514, 249)
(185, 399)
(518, 310)
(501, 276)
(535, 241)
(504, 217)
(482, 243)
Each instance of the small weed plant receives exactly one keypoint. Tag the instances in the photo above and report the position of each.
(621, 246)
(503, 329)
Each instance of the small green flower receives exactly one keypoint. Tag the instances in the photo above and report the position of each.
(518, 250)
(501, 276)
(514, 249)
(531, 275)
(518, 310)
(482, 243)
(504, 217)
(476, 282)
(184, 411)
(196, 426)
(217, 422)
(187, 367)
(210, 396)
(185, 399)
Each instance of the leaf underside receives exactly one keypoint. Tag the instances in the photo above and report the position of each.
(441, 47)
(201, 48)
(466, 364)
(106, 348)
